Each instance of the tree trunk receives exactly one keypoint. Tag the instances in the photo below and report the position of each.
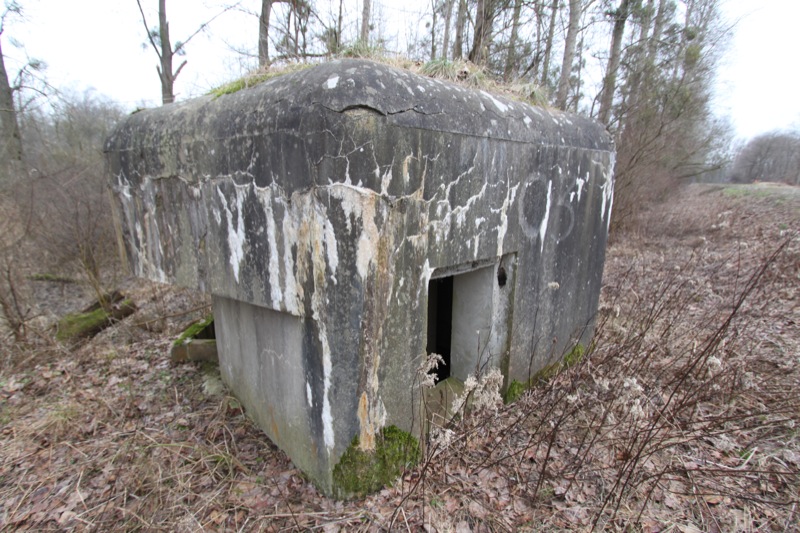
(433, 30)
(483, 29)
(461, 19)
(263, 34)
(448, 13)
(165, 71)
(638, 62)
(610, 80)
(365, 22)
(511, 56)
(339, 28)
(569, 53)
(548, 46)
(10, 140)
(579, 74)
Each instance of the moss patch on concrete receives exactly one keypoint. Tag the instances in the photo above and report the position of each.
(194, 331)
(361, 472)
(514, 391)
(572, 358)
(255, 78)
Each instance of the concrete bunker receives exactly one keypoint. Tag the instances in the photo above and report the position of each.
(344, 218)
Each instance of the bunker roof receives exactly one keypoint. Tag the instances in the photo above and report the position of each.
(302, 103)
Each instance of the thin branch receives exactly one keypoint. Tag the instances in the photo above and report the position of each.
(147, 29)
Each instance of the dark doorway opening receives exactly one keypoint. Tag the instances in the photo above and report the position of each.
(440, 322)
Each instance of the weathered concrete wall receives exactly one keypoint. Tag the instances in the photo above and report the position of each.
(317, 206)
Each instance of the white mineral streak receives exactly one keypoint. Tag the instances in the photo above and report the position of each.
(273, 272)
(427, 272)
(511, 195)
(327, 367)
(332, 82)
(386, 181)
(460, 211)
(497, 103)
(331, 248)
(608, 193)
(235, 235)
(580, 183)
(151, 250)
(406, 177)
(309, 396)
(310, 225)
(124, 186)
(293, 292)
(546, 218)
(360, 204)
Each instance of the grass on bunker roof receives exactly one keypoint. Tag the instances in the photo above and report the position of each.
(683, 416)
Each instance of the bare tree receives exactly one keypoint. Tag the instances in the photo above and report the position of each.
(263, 33)
(569, 53)
(433, 29)
(339, 24)
(511, 56)
(773, 156)
(620, 15)
(293, 25)
(365, 14)
(548, 47)
(484, 19)
(159, 39)
(10, 140)
(461, 18)
(448, 13)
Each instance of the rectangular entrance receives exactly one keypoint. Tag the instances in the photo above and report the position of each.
(440, 322)
(460, 320)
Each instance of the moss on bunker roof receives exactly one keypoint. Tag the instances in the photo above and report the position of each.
(464, 73)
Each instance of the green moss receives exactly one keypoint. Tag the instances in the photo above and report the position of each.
(514, 391)
(86, 324)
(193, 331)
(253, 79)
(51, 277)
(360, 472)
(81, 324)
(572, 358)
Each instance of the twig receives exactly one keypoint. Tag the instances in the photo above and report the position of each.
(173, 315)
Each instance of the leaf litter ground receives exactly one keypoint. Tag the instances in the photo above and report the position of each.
(682, 416)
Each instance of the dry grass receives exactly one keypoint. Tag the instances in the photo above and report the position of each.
(461, 72)
(682, 417)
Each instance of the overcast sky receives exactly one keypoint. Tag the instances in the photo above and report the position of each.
(99, 44)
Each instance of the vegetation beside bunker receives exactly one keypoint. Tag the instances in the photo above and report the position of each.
(91, 322)
(516, 389)
(360, 472)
